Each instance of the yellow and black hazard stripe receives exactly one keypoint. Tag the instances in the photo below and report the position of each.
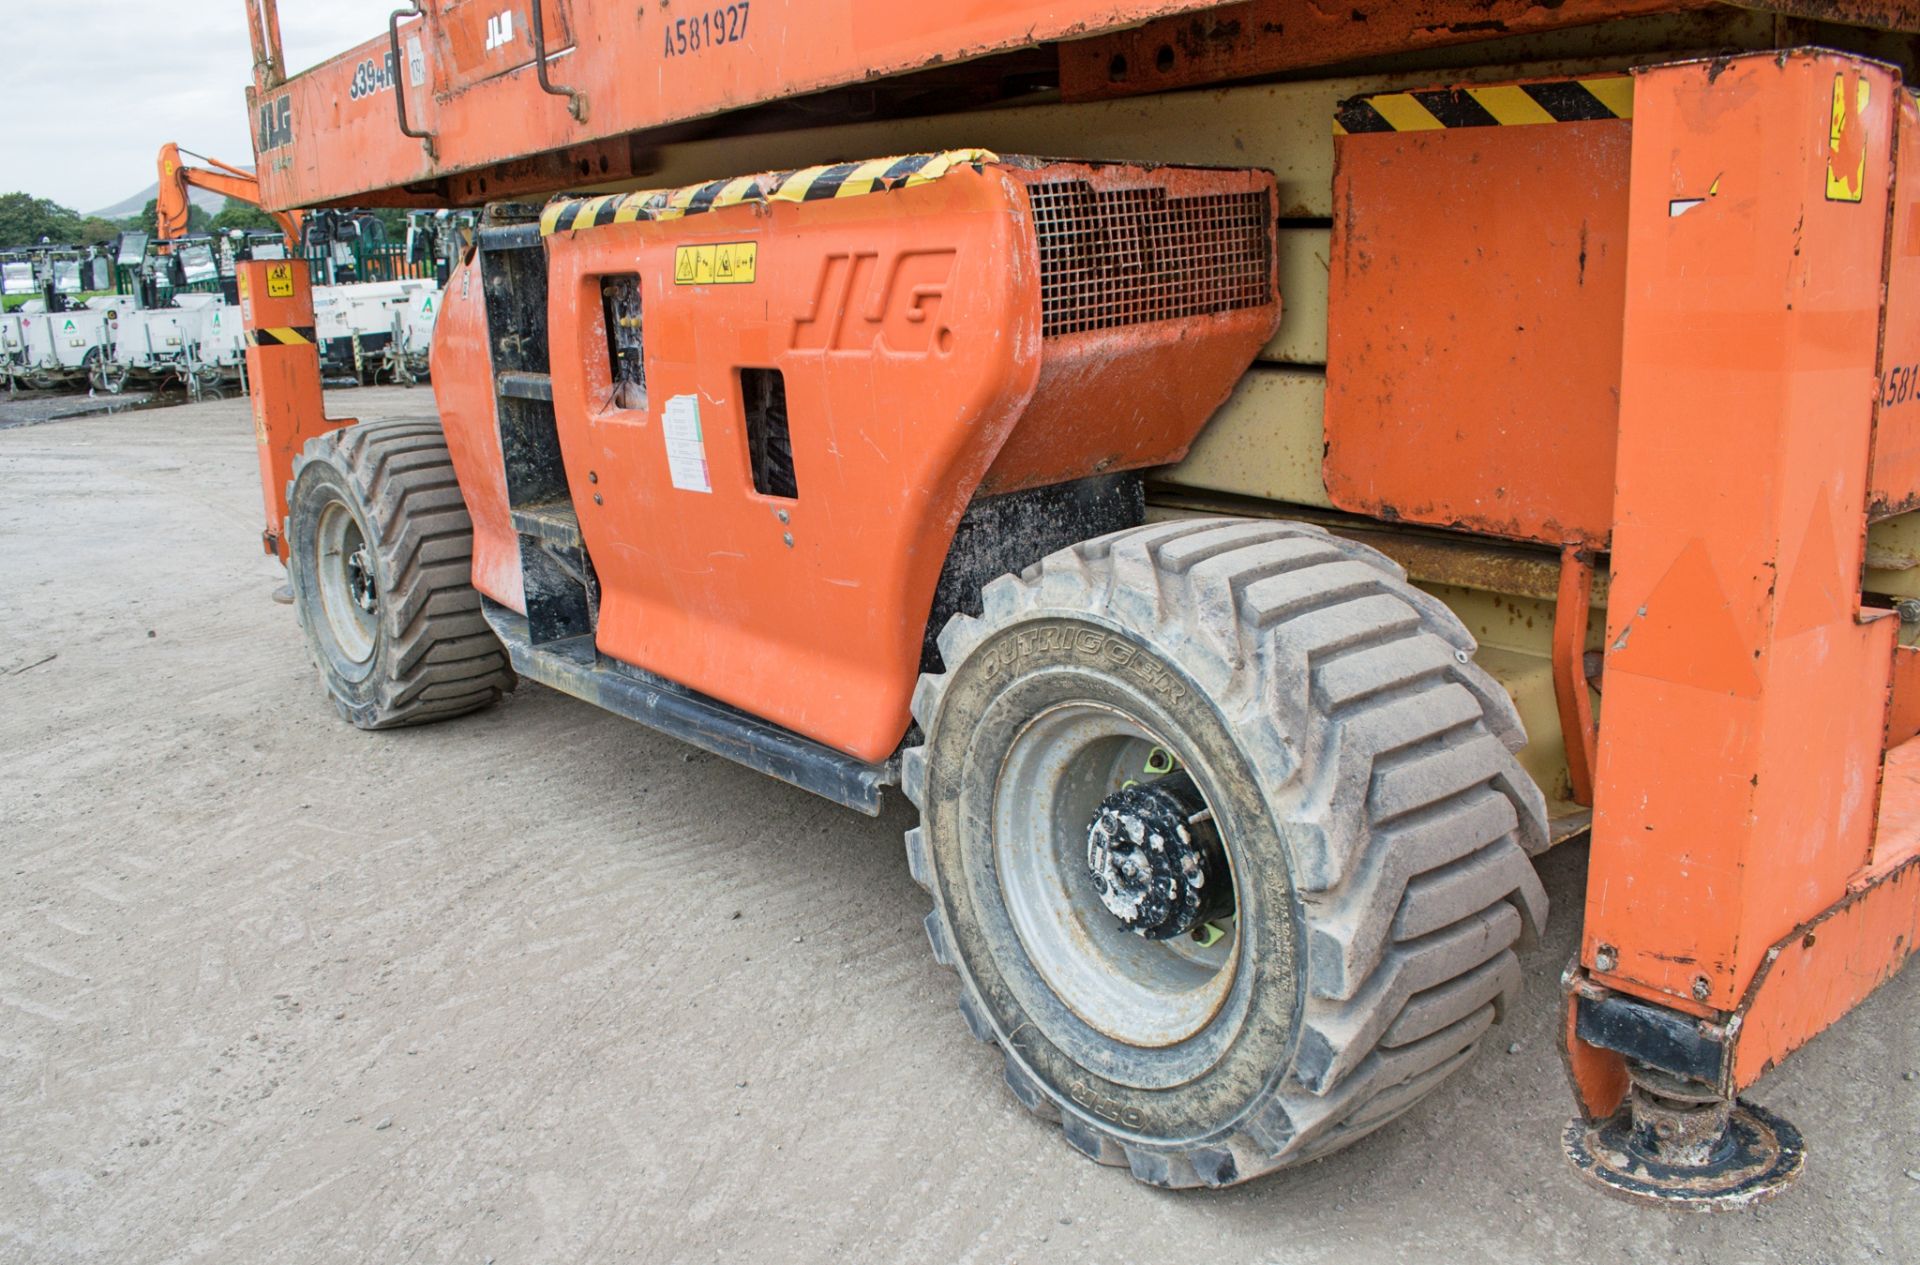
(281, 336)
(810, 184)
(1495, 105)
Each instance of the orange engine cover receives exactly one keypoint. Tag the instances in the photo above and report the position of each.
(926, 330)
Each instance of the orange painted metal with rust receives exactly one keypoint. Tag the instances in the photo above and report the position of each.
(463, 391)
(1264, 37)
(1896, 431)
(469, 83)
(1572, 334)
(1663, 338)
(1473, 338)
(908, 329)
(1746, 686)
(283, 373)
(1572, 612)
(329, 134)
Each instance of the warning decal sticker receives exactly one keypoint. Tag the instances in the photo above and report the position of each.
(280, 281)
(1847, 141)
(686, 446)
(725, 264)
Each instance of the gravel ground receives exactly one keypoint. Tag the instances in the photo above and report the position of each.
(541, 986)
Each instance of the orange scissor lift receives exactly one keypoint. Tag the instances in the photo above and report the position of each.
(1610, 365)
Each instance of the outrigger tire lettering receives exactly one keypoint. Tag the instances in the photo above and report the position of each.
(1101, 648)
(1106, 1108)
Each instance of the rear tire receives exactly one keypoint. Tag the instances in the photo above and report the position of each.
(1375, 828)
(380, 563)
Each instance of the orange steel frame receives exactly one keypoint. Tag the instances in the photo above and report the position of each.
(1756, 847)
(171, 207)
(1755, 860)
(283, 370)
(487, 128)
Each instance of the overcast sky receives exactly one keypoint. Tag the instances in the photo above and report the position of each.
(89, 89)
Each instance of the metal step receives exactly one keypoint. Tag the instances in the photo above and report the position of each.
(526, 386)
(554, 522)
(573, 666)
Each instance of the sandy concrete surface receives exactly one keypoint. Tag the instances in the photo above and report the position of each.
(541, 986)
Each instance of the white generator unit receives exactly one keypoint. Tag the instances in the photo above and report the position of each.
(147, 345)
(59, 347)
(422, 310)
(198, 341)
(13, 347)
(376, 328)
(223, 340)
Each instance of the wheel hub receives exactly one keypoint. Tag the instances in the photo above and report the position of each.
(1154, 855)
(360, 582)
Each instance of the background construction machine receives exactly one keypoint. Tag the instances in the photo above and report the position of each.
(170, 209)
(1382, 443)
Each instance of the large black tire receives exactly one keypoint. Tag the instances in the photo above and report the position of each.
(1360, 768)
(380, 562)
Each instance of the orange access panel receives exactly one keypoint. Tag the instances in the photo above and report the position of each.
(1479, 277)
(792, 606)
(773, 414)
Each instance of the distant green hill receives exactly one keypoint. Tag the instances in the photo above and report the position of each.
(204, 199)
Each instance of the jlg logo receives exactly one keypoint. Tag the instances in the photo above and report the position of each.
(865, 304)
(276, 123)
(500, 30)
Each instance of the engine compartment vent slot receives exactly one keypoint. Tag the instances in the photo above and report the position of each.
(1113, 257)
(763, 393)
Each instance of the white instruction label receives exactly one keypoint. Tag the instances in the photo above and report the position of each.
(416, 62)
(686, 446)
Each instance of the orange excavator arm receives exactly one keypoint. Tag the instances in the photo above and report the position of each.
(171, 207)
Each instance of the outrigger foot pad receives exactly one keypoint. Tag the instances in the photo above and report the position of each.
(1676, 1144)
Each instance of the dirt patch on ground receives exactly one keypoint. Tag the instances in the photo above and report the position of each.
(275, 990)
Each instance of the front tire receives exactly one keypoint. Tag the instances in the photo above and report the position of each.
(1350, 822)
(380, 563)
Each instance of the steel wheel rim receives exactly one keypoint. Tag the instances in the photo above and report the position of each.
(349, 590)
(1143, 993)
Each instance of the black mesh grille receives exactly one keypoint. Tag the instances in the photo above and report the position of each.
(1112, 257)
